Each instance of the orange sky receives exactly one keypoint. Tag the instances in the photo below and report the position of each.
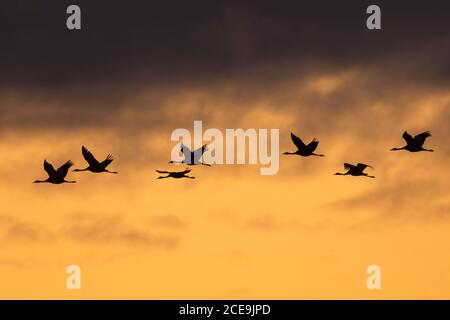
(122, 85)
(232, 233)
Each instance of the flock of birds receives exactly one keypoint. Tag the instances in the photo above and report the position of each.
(413, 144)
(59, 176)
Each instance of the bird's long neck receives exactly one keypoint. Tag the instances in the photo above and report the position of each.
(40, 181)
(115, 172)
(78, 170)
(317, 155)
(398, 149)
(66, 181)
(289, 153)
(429, 150)
(341, 174)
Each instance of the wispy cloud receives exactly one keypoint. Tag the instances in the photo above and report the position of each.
(168, 221)
(423, 199)
(16, 230)
(90, 228)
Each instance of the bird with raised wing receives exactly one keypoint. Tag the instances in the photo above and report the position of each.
(414, 144)
(357, 170)
(304, 150)
(94, 165)
(192, 158)
(56, 176)
(175, 175)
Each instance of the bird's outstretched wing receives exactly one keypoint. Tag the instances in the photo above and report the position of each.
(89, 157)
(312, 146)
(199, 152)
(187, 153)
(420, 138)
(202, 149)
(362, 166)
(408, 138)
(348, 166)
(159, 171)
(62, 171)
(107, 161)
(49, 169)
(297, 141)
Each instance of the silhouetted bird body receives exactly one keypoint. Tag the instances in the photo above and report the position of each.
(414, 144)
(304, 150)
(94, 165)
(175, 175)
(357, 170)
(192, 158)
(56, 176)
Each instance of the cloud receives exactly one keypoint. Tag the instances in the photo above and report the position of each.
(203, 40)
(133, 73)
(168, 221)
(309, 68)
(16, 230)
(89, 228)
(86, 228)
(416, 198)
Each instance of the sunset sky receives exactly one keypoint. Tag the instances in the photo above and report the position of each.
(137, 70)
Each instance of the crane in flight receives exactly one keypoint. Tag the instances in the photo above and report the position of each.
(56, 176)
(357, 170)
(192, 158)
(414, 144)
(304, 150)
(94, 165)
(175, 175)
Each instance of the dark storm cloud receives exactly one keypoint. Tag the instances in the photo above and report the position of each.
(176, 41)
(129, 61)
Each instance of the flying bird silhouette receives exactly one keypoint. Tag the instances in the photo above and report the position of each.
(355, 170)
(303, 149)
(414, 144)
(176, 175)
(94, 165)
(56, 176)
(192, 158)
